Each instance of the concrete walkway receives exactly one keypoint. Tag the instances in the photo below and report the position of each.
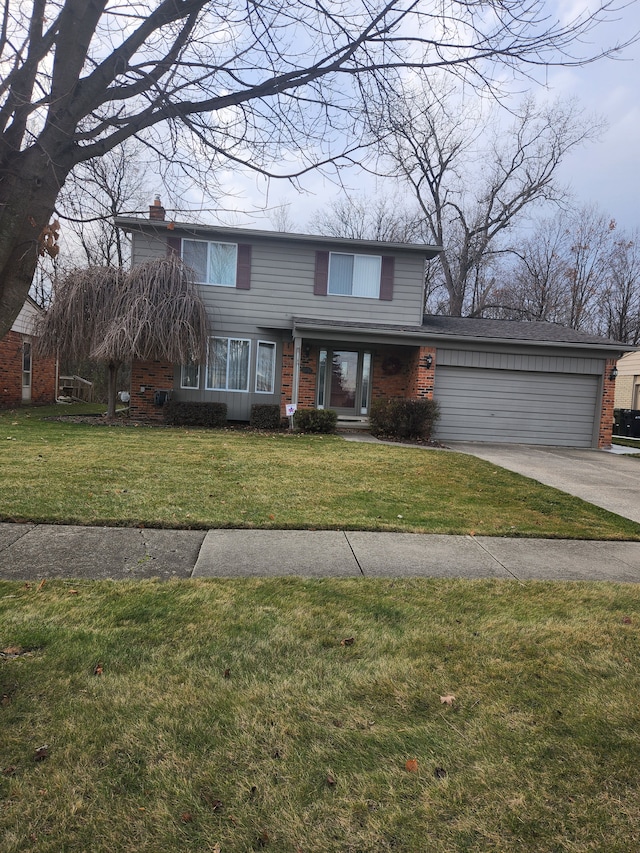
(32, 552)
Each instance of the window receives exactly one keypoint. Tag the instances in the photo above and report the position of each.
(228, 364)
(190, 376)
(26, 364)
(265, 367)
(354, 275)
(213, 263)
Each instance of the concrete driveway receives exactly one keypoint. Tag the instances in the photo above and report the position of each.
(605, 479)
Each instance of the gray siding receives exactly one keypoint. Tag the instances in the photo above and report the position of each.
(239, 403)
(515, 406)
(512, 359)
(282, 277)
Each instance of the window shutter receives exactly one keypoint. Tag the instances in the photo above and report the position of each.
(386, 277)
(321, 278)
(243, 272)
(174, 245)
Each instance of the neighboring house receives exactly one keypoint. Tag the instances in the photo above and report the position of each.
(336, 323)
(628, 382)
(25, 378)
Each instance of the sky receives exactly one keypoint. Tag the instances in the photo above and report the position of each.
(604, 173)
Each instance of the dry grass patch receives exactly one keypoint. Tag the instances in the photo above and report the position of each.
(230, 712)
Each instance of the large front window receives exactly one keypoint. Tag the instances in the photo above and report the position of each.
(213, 263)
(354, 275)
(228, 364)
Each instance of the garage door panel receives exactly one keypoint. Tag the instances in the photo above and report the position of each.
(518, 407)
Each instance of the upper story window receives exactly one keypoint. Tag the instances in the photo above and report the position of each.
(354, 275)
(213, 263)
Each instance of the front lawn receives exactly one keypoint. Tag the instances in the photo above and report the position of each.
(334, 715)
(75, 473)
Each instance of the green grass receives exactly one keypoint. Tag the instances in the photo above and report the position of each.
(76, 473)
(304, 745)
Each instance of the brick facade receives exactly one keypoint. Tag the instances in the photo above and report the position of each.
(147, 377)
(43, 374)
(608, 398)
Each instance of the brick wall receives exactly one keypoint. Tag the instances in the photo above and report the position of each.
(308, 377)
(421, 376)
(43, 374)
(608, 397)
(152, 376)
(286, 383)
(401, 372)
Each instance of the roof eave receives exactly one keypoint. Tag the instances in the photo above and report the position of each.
(128, 223)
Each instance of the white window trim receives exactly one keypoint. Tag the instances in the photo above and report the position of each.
(228, 390)
(353, 255)
(195, 387)
(208, 244)
(274, 347)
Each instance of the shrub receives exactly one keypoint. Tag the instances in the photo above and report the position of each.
(265, 416)
(187, 413)
(403, 418)
(315, 420)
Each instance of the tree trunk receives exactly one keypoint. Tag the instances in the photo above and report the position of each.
(28, 192)
(112, 384)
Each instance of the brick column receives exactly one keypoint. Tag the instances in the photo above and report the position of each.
(608, 395)
(152, 376)
(11, 370)
(421, 377)
(286, 382)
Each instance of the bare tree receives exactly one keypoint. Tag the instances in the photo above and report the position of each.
(474, 179)
(367, 218)
(226, 82)
(155, 311)
(620, 301)
(95, 193)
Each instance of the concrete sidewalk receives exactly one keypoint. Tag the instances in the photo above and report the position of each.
(31, 552)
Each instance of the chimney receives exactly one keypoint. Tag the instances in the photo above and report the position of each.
(156, 210)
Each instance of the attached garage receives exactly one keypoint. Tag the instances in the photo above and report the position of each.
(521, 382)
(517, 407)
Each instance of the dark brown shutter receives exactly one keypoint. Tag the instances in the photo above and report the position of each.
(386, 277)
(174, 245)
(321, 278)
(243, 273)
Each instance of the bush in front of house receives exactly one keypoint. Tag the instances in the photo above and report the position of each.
(315, 420)
(399, 418)
(189, 413)
(265, 416)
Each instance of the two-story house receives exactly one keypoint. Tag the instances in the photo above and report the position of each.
(336, 323)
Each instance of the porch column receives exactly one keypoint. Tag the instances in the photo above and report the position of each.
(295, 384)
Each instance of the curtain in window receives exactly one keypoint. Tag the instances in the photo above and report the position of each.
(238, 378)
(217, 363)
(340, 274)
(366, 276)
(194, 254)
(265, 367)
(222, 264)
(190, 377)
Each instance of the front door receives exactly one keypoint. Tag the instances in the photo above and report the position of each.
(344, 379)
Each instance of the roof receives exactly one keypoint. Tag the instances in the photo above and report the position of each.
(131, 223)
(451, 329)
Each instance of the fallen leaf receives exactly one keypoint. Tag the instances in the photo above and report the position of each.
(41, 752)
(186, 817)
(348, 641)
(626, 620)
(98, 669)
(338, 724)
(9, 771)
(73, 592)
(439, 772)
(41, 584)
(227, 673)
(12, 651)
(263, 838)
(330, 780)
(412, 765)
(27, 585)
(449, 699)
(472, 533)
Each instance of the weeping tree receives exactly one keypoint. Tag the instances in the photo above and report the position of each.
(154, 311)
